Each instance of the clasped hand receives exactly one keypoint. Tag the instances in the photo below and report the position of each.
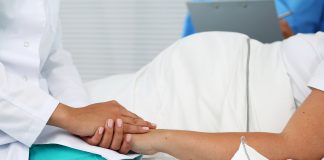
(108, 124)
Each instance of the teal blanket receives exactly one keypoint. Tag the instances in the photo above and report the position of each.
(58, 152)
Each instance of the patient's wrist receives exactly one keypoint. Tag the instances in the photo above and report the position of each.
(162, 140)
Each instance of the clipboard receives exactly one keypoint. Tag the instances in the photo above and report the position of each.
(256, 18)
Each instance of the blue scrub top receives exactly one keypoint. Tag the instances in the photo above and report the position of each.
(307, 15)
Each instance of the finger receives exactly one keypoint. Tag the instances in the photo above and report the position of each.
(118, 135)
(138, 122)
(107, 136)
(154, 126)
(126, 146)
(151, 125)
(130, 114)
(95, 139)
(133, 129)
(135, 121)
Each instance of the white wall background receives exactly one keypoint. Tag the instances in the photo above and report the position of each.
(109, 37)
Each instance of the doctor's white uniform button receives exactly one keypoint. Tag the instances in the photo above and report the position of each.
(26, 44)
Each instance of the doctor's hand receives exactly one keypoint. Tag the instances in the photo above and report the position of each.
(85, 121)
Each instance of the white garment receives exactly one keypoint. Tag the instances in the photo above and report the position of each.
(245, 152)
(304, 59)
(32, 65)
(200, 83)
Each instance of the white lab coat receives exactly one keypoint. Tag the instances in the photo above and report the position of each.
(36, 73)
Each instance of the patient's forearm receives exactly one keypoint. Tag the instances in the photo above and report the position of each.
(194, 145)
(303, 138)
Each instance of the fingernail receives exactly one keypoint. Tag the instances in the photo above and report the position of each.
(119, 122)
(110, 123)
(145, 128)
(128, 137)
(153, 124)
(101, 130)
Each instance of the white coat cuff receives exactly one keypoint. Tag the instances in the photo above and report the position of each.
(37, 126)
(24, 120)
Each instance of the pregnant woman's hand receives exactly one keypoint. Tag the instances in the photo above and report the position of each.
(148, 143)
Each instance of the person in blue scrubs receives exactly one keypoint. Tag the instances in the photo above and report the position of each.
(299, 16)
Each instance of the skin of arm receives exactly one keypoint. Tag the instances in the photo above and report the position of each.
(285, 29)
(85, 121)
(303, 138)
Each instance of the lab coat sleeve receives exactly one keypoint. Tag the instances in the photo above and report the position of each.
(62, 77)
(24, 107)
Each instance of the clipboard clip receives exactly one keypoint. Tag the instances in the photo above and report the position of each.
(244, 4)
(216, 5)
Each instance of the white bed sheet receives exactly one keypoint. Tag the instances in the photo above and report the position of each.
(203, 78)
